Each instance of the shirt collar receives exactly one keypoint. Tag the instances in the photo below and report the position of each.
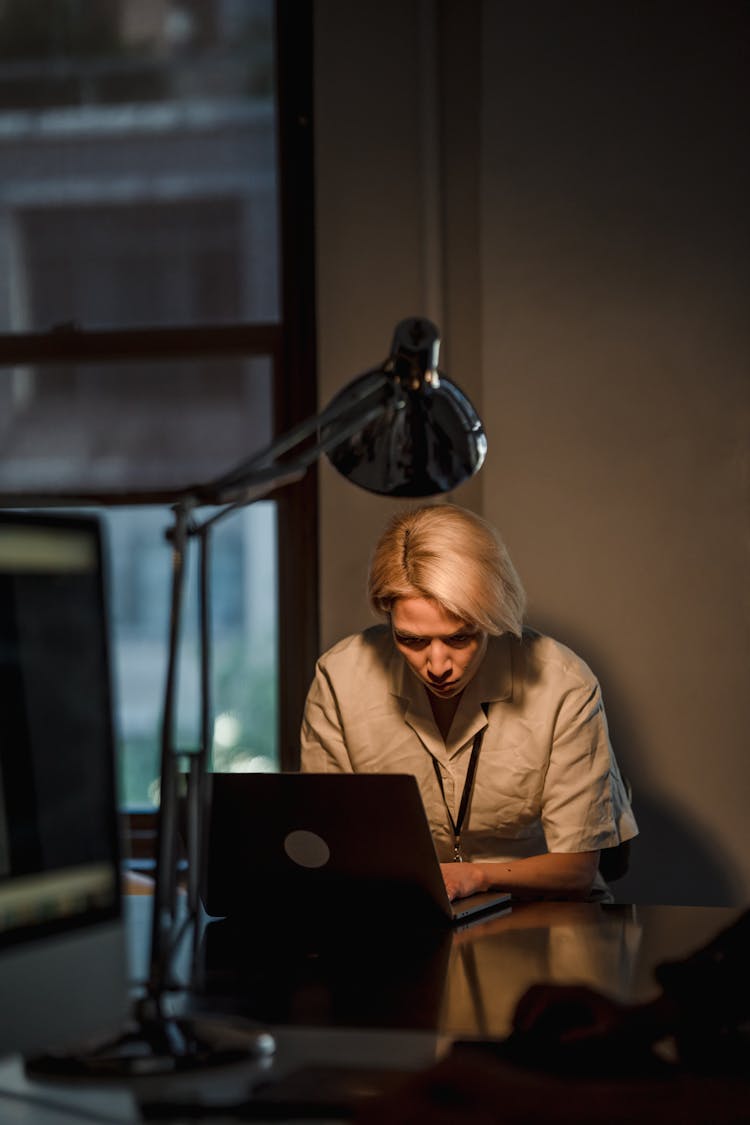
(493, 681)
(494, 678)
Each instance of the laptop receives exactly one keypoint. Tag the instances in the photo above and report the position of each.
(321, 849)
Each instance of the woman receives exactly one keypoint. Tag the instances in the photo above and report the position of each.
(503, 728)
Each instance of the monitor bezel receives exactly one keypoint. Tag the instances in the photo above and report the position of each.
(92, 916)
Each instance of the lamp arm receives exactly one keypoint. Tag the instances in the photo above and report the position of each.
(255, 484)
(369, 397)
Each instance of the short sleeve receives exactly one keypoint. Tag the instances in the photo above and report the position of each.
(323, 749)
(584, 803)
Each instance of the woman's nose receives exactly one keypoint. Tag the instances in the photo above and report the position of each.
(438, 663)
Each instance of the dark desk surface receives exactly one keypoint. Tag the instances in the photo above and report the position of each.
(450, 984)
(393, 1004)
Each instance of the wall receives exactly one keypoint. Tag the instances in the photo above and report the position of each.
(385, 251)
(615, 264)
(592, 240)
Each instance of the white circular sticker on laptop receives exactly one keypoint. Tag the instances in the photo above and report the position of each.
(307, 849)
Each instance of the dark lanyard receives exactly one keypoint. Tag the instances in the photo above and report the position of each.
(456, 825)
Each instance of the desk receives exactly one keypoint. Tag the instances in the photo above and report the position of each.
(394, 1004)
(455, 984)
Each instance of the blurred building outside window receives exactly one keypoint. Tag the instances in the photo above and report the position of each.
(138, 190)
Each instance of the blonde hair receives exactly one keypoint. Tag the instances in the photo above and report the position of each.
(453, 557)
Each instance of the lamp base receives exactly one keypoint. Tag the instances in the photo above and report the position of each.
(158, 1046)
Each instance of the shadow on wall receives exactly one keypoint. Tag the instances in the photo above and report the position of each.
(672, 861)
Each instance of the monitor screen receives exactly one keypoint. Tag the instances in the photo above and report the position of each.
(62, 965)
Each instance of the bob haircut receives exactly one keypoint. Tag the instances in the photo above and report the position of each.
(453, 557)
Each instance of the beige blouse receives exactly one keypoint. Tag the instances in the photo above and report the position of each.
(546, 779)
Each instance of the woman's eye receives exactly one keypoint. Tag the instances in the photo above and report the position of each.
(411, 642)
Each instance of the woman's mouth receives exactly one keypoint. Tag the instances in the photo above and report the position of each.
(448, 686)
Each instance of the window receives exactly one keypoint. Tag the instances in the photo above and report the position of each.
(244, 644)
(155, 236)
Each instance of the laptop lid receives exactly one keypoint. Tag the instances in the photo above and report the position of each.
(334, 846)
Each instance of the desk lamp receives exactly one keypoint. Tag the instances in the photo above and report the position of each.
(401, 429)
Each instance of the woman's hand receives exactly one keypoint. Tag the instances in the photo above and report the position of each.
(561, 875)
(462, 879)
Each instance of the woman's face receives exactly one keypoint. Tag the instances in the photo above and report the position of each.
(442, 650)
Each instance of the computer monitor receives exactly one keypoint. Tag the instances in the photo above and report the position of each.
(63, 975)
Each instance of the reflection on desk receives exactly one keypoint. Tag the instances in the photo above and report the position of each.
(456, 983)
(558, 941)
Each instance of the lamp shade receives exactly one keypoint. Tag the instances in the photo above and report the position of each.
(427, 439)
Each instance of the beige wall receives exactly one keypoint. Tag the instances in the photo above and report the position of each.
(382, 239)
(565, 195)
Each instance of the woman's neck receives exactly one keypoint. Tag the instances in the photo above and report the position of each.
(443, 712)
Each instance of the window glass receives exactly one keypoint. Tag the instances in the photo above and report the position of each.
(137, 163)
(111, 426)
(244, 643)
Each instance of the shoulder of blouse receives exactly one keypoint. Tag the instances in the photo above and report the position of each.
(540, 654)
(372, 646)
